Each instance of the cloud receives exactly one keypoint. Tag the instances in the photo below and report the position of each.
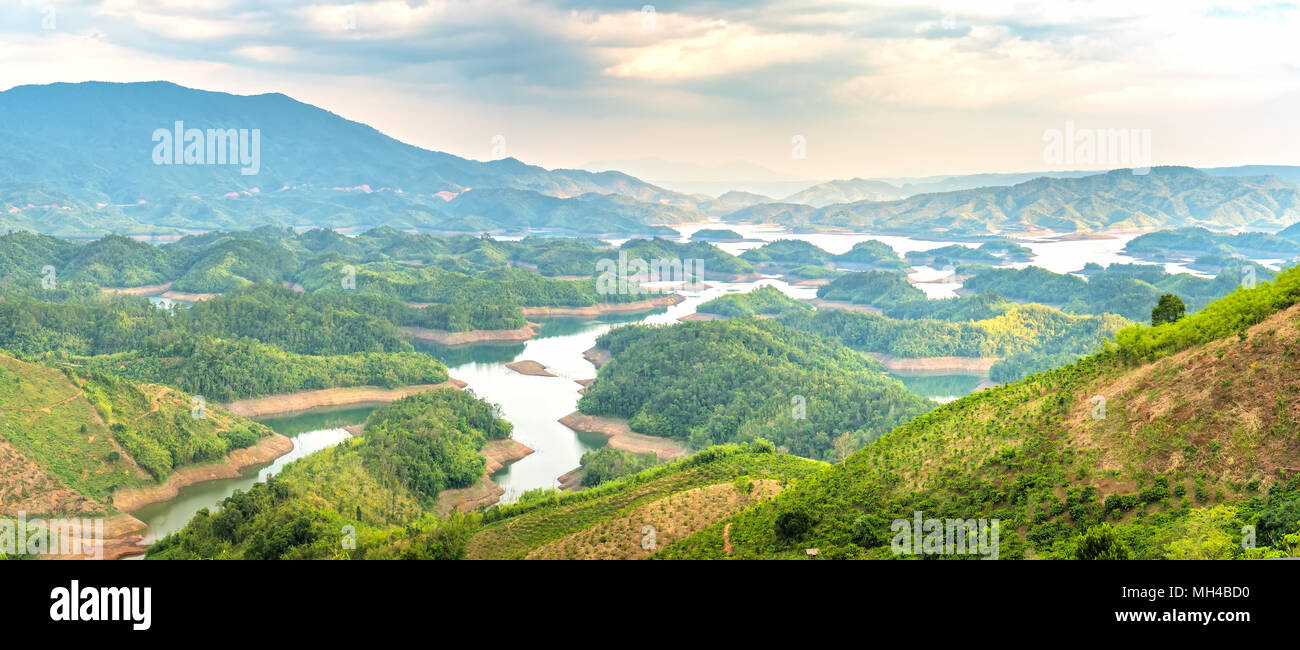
(741, 74)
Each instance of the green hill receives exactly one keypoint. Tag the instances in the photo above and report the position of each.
(382, 487)
(71, 438)
(1198, 437)
(636, 516)
(716, 382)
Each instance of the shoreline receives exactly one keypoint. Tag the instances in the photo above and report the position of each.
(188, 297)
(264, 450)
(591, 311)
(148, 290)
(620, 436)
(597, 356)
(289, 403)
(485, 492)
(471, 337)
(936, 365)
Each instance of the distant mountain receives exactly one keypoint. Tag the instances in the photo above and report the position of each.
(80, 159)
(903, 187)
(708, 180)
(846, 191)
(1288, 173)
(729, 202)
(1164, 197)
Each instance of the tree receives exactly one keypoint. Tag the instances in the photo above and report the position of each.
(792, 525)
(1100, 543)
(1169, 309)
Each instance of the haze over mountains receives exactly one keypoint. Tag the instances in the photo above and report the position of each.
(78, 160)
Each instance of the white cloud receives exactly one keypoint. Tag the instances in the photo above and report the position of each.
(723, 50)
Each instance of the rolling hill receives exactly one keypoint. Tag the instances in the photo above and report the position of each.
(1172, 443)
(70, 440)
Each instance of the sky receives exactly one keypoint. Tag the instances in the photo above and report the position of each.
(808, 89)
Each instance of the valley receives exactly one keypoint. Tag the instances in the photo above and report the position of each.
(496, 360)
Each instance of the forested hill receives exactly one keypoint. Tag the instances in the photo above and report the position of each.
(314, 168)
(1163, 446)
(262, 340)
(732, 381)
(217, 262)
(382, 486)
(71, 438)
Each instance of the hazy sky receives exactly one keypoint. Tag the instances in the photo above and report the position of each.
(874, 88)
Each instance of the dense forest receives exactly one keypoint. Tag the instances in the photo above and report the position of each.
(1030, 337)
(260, 340)
(1129, 290)
(368, 498)
(606, 464)
(731, 381)
(766, 301)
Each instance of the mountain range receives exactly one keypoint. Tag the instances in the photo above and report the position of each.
(86, 159)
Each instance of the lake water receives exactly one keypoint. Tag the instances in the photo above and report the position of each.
(311, 431)
(534, 404)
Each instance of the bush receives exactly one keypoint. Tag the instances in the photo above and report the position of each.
(792, 525)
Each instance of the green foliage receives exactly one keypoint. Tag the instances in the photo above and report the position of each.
(716, 234)
(737, 380)
(1032, 338)
(877, 288)
(429, 441)
(787, 252)
(606, 464)
(1100, 543)
(1169, 309)
(1233, 313)
(369, 492)
(767, 301)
